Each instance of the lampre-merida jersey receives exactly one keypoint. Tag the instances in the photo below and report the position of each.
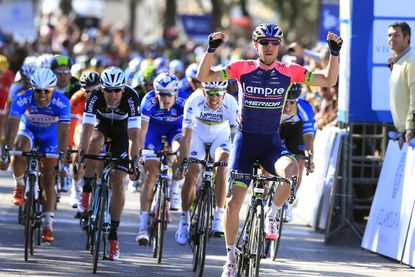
(262, 92)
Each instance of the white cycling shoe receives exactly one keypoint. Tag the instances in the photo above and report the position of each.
(182, 233)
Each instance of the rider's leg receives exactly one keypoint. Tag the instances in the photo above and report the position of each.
(19, 165)
(117, 201)
(151, 169)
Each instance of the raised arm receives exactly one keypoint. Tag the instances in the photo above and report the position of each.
(205, 72)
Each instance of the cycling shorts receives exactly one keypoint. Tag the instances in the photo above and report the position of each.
(292, 135)
(153, 137)
(248, 147)
(116, 140)
(218, 140)
(45, 140)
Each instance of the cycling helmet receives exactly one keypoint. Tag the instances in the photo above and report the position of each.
(4, 63)
(27, 69)
(61, 60)
(176, 66)
(215, 85)
(166, 82)
(191, 71)
(113, 77)
(44, 60)
(295, 91)
(134, 64)
(148, 71)
(43, 78)
(267, 30)
(138, 80)
(89, 79)
(160, 62)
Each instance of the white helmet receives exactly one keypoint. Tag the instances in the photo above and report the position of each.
(44, 60)
(176, 66)
(166, 82)
(43, 78)
(215, 85)
(113, 77)
(191, 71)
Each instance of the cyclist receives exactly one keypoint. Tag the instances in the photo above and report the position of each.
(6, 80)
(67, 84)
(162, 114)
(111, 113)
(23, 83)
(263, 84)
(209, 117)
(192, 83)
(39, 117)
(297, 131)
(89, 81)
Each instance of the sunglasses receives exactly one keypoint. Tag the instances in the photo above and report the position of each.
(110, 90)
(214, 92)
(292, 102)
(265, 42)
(63, 71)
(165, 94)
(46, 91)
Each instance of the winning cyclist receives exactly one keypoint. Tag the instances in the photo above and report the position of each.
(209, 117)
(297, 132)
(263, 87)
(162, 112)
(111, 113)
(39, 117)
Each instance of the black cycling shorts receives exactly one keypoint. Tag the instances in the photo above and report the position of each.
(292, 135)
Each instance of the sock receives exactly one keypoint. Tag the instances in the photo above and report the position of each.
(219, 213)
(47, 219)
(230, 253)
(175, 186)
(78, 185)
(113, 231)
(143, 220)
(184, 217)
(274, 210)
(19, 180)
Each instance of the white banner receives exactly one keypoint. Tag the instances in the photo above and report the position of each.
(392, 205)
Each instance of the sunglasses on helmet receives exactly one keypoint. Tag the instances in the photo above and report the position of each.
(46, 90)
(266, 42)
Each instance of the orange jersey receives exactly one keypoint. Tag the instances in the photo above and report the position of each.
(6, 80)
(77, 110)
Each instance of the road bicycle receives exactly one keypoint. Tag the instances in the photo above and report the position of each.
(32, 213)
(159, 212)
(202, 214)
(250, 245)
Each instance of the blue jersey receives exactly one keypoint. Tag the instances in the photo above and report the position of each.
(304, 112)
(151, 112)
(38, 118)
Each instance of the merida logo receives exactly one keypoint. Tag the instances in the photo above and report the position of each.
(262, 90)
(261, 103)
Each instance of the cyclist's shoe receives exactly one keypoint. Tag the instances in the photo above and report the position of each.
(114, 253)
(47, 234)
(228, 270)
(133, 186)
(175, 201)
(83, 204)
(289, 216)
(271, 228)
(18, 195)
(182, 233)
(217, 227)
(142, 237)
(75, 197)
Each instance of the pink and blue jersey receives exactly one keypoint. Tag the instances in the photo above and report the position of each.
(262, 92)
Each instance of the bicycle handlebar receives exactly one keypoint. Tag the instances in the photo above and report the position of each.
(157, 153)
(259, 177)
(206, 163)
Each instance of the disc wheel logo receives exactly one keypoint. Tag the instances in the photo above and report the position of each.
(399, 175)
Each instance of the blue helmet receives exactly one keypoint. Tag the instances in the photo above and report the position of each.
(166, 82)
(267, 30)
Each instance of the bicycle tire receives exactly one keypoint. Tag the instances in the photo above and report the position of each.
(98, 230)
(242, 260)
(276, 242)
(28, 211)
(154, 219)
(256, 240)
(194, 230)
(204, 230)
(20, 215)
(162, 221)
(92, 218)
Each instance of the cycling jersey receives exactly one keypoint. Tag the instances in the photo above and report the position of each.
(72, 87)
(303, 112)
(262, 92)
(15, 89)
(5, 82)
(161, 121)
(40, 123)
(77, 110)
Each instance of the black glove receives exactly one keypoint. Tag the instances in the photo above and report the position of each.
(214, 43)
(334, 47)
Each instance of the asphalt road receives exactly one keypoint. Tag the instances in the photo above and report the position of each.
(302, 251)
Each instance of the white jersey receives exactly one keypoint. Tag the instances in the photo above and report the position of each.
(203, 120)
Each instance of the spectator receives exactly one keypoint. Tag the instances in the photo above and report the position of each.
(402, 80)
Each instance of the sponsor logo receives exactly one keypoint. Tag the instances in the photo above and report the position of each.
(193, 153)
(262, 90)
(59, 103)
(132, 106)
(207, 115)
(124, 155)
(92, 103)
(262, 103)
(188, 121)
(22, 101)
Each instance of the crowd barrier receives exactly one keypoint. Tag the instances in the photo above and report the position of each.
(391, 224)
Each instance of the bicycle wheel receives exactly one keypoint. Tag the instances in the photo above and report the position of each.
(162, 221)
(256, 240)
(242, 246)
(28, 216)
(99, 223)
(154, 219)
(194, 230)
(276, 243)
(92, 217)
(204, 230)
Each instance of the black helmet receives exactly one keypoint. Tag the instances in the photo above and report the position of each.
(295, 91)
(89, 79)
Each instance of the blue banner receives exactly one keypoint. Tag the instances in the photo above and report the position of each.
(197, 26)
(329, 20)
